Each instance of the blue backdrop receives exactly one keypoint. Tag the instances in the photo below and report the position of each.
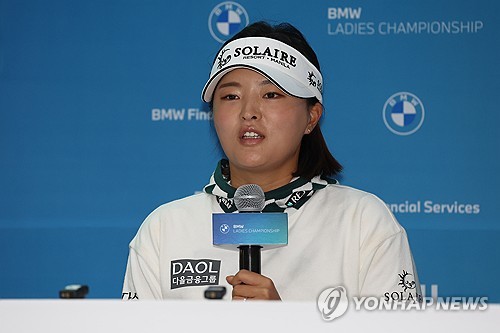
(101, 121)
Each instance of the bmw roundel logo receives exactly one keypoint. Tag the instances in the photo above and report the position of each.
(403, 113)
(226, 19)
(224, 228)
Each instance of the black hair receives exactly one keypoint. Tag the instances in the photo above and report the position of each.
(315, 158)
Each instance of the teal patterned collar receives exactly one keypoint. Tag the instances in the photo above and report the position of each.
(291, 195)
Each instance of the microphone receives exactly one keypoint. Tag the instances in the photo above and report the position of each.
(250, 198)
(249, 231)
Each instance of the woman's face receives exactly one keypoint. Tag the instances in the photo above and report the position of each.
(259, 126)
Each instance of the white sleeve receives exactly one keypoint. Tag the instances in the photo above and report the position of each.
(387, 269)
(390, 272)
(141, 278)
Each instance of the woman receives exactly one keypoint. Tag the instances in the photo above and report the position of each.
(265, 91)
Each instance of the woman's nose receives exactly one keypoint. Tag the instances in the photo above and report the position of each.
(250, 111)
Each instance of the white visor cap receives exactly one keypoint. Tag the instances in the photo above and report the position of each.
(283, 65)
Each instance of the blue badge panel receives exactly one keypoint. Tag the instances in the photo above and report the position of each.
(266, 229)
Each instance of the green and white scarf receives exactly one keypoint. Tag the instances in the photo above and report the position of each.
(291, 195)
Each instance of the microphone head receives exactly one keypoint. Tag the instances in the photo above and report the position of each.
(249, 198)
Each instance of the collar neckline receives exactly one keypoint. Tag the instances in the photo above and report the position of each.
(292, 195)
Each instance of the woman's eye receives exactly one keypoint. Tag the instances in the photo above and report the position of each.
(271, 95)
(230, 97)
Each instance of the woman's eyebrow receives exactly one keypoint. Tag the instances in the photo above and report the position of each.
(229, 84)
(265, 82)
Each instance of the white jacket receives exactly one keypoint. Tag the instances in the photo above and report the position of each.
(340, 237)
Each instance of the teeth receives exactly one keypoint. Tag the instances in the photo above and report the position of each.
(251, 135)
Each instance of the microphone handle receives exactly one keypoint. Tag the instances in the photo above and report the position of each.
(250, 257)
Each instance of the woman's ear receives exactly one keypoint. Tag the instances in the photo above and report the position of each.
(315, 113)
